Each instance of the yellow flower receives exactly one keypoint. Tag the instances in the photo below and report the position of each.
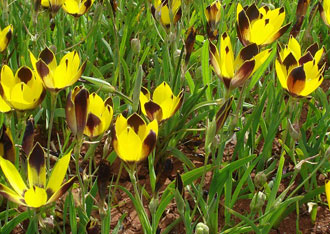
(261, 26)
(327, 192)
(57, 77)
(299, 74)
(77, 7)
(235, 72)
(53, 5)
(325, 12)
(24, 91)
(133, 139)
(161, 10)
(213, 14)
(5, 37)
(99, 115)
(38, 193)
(76, 110)
(7, 149)
(163, 104)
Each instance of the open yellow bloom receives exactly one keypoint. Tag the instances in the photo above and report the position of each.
(213, 14)
(38, 193)
(57, 77)
(261, 26)
(53, 5)
(77, 7)
(324, 10)
(161, 10)
(133, 139)
(163, 103)
(76, 110)
(234, 72)
(24, 91)
(99, 115)
(5, 37)
(299, 74)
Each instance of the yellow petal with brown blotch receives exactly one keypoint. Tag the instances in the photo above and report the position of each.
(37, 167)
(5, 37)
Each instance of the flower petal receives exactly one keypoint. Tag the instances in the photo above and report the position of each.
(129, 146)
(243, 73)
(11, 195)
(35, 197)
(62, 190)
(296, 80)
(13, 176)
(58, 174)
(5, 37)
(7, 150)
(153, 111)
(37, 167)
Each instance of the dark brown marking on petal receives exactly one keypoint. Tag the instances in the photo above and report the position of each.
(153, 111)
(149, 143)
(213, 49)
(189, 43)
(249, 52)
(144, 90)
(87, 4)
(177, 16)
(227, 82)
(47, 56)
(252, 12)
(281, 10)
(224, 35)
(24, 74)
(135, 122)
(28, 137)
(81, 102)
(266, 21)
(109, 102)
(227, 50)
(223, 113)
(242, 74)
(306, 58)
(290, 60)
(243, 26)
(313, 49)
(181, 94)
(7, 144)
(9, 35)
(266, 8)
(92, 122)
(280, 32)
(65, 187)
(153, 11)
(42, 69)
(296, 80)
(37, 158)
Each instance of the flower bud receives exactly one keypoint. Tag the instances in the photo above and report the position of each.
(258, 201)
(201, 228)
(76, 110)
(260, 179)
(136, 45)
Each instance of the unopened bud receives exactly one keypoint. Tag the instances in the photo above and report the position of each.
(260, 179)
(136, 45)
(258, 201)
(201, 228)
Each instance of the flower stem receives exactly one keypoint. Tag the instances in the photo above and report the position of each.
(77, 147)
(53, 99)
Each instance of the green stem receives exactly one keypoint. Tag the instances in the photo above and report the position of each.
(79, 141)
(53, 99)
